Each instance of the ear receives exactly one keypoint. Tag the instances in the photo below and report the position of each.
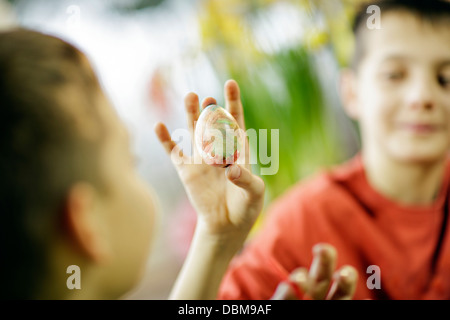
(348, 91)
(84, 222)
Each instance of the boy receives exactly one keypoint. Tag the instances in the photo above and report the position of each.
(70, 198)
(386, 210)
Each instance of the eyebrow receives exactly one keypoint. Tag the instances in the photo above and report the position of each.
(444, 63)
(394, 57)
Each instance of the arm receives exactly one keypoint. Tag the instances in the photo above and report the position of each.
(205, 265)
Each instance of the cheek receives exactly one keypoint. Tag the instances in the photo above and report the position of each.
(150, 211)
(143, 204)
(135, 219)
(446, 112)
(377, 114)
(131, 236)
(446, 116)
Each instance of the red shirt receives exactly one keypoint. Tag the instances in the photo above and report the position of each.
(410, 244)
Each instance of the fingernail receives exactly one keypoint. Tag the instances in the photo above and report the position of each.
(346, 273)
(317, 249)
(298, 277)
(233, 172)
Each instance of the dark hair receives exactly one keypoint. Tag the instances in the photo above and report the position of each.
(50, 135)
(432, 11)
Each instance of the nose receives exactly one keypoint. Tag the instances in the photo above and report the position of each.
(422, 94)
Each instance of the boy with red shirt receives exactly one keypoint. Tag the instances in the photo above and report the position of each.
(386, 210)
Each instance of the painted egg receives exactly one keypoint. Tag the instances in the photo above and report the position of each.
(217, 136)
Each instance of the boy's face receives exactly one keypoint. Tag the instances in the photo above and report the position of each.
(402, 89)
(130, 209)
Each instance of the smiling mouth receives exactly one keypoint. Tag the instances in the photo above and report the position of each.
(421, 128)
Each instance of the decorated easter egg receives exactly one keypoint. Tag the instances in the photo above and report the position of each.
(217, 136)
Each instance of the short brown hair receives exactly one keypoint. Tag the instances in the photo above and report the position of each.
(432, 11)
(50, 135)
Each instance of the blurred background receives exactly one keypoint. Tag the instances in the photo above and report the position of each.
(148, 54)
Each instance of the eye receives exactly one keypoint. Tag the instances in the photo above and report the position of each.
(444, 80)
(394, 75)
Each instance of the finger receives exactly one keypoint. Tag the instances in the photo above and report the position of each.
(243, 178)
(234, 106)
(171, 148)
(191, 105)
(207, 102)
(233, 102)
(164, 137)
(344, 284)
(300, 277)
(294, 287)
(321, 271)
(284, 291)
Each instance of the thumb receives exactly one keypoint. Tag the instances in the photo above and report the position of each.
(243, 178)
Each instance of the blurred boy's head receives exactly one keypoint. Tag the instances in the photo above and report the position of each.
(399, 86)
(69, 194)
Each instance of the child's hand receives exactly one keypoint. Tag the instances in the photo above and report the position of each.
(227, 201)
(321, 281)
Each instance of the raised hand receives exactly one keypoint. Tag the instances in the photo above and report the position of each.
(227, 202)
